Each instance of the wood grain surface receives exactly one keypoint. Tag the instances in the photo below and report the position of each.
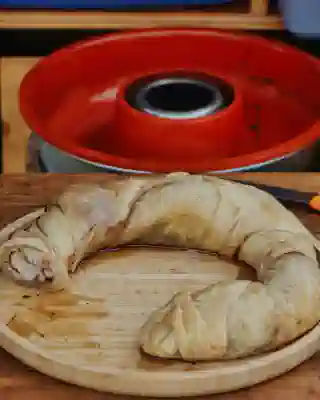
(20, 194)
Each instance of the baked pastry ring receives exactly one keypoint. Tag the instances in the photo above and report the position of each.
(226, 320)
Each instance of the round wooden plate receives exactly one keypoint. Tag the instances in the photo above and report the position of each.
(95, 343)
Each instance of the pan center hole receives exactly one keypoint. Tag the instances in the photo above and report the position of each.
(179, 96)
(176, 97)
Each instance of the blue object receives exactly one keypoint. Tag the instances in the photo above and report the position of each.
(302, 17)
(102, 4)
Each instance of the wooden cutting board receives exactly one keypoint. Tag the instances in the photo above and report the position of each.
(22, 194)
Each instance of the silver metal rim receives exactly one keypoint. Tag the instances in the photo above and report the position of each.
(143, 104)
(115, 169)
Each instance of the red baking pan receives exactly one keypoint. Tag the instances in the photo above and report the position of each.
(175, 99)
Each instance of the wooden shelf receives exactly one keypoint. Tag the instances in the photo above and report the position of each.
(250, 14)
(16, 133)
